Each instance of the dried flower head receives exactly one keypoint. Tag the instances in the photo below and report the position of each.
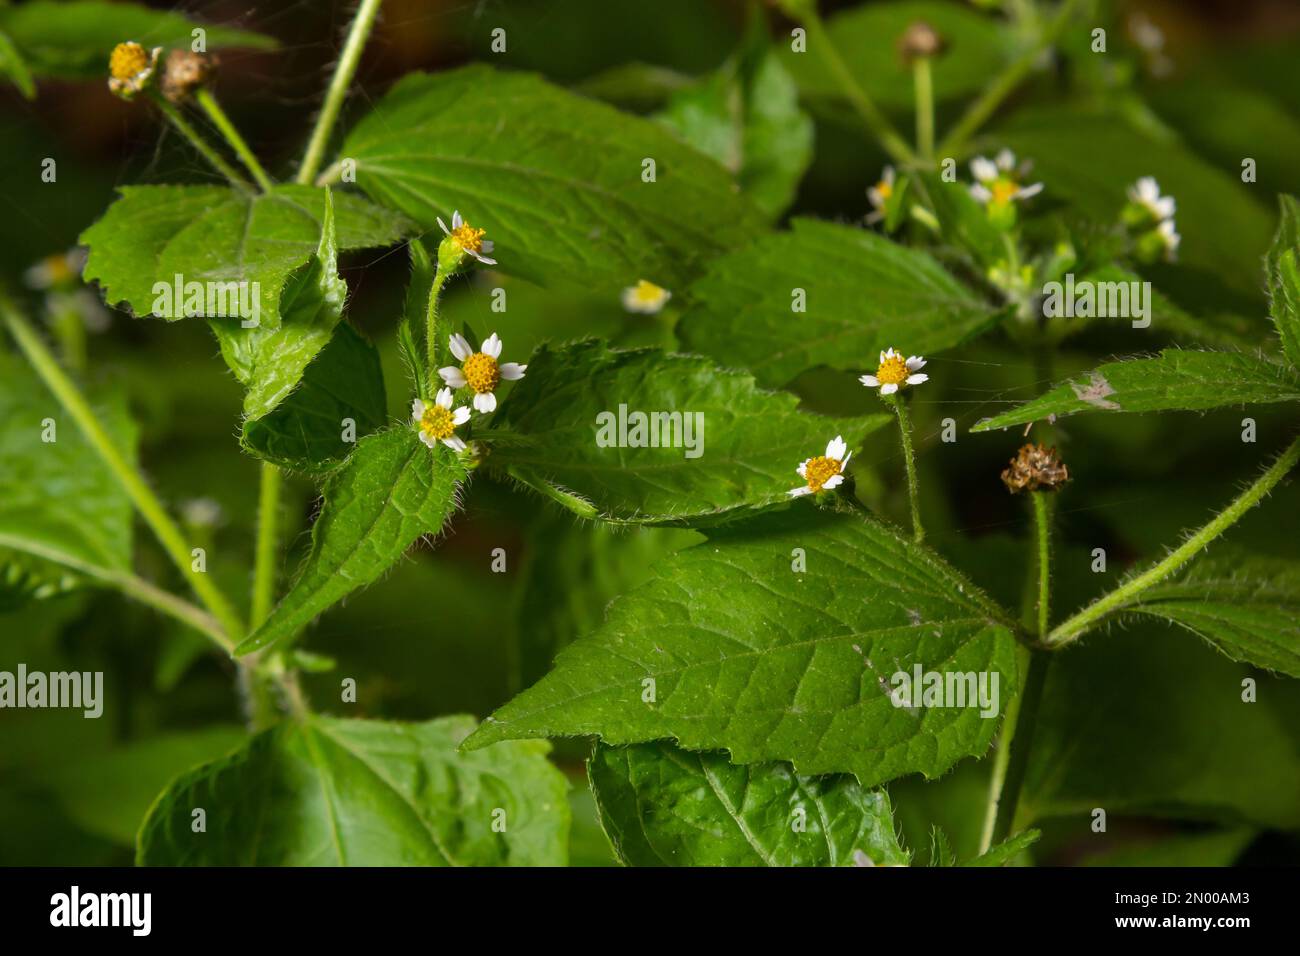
(185, 72)
(920, 39)
(1035, 468)
(131, 68)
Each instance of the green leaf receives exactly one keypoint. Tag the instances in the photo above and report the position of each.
(561, 195)
(575, 399)
(867, 39)
(73, 40)
(307, 431)
(216, 234)
(863, 294)
(1006, 851)
(1283, 273)
(15, 67)
(1217, 848)
(1245, 605)
(730, 648)
(662, 806)
(1174, 380)
(746, 115)
(330, 792)
(389, 492)
(269, 359)
(57, 496)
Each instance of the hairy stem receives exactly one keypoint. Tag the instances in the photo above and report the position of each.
(137, 489)
(876, 122)
(1043, 534)
(1079, 624)
(909, 460)
(227, 129)
(1002, 86)
(201, 145)
(358, 33)
(431, 324)
(268, 537)
(924, 85)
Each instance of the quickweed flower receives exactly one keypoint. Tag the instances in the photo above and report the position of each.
(880, 194)
(824, 471)
(1151, 216)
(480, 371)
(131, 68)
(998, 186)
(1035, 468)
(463, 240)
(1145, 193)
(895, 372)
(437, 421)
(645, 297)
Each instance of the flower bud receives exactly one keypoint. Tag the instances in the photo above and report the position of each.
(920, 39)
(131, 69)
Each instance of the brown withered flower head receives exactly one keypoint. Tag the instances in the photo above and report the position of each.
(1035, 468)
(920, 39)
(185, 72)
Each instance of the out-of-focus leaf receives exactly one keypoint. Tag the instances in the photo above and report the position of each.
(663, 806)
(1218, 848)
(730, 647)
(330, 792)
(1283, 268)
(15, 67)
(554, 178)
(863, 294)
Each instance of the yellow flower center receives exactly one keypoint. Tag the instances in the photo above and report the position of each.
(57, 268)
(436, 422)
(127, 60)
(481, 372)
(885, 190)
(820, 470)
(893, 371)
(647, 292)
(468, 238)
(1004, 190)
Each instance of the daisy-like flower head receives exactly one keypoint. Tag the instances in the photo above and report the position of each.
(880, 193)
(62, 270)
(465, 240)
(1146, 193)
(131, 68)
(480, 370)
(645, 297)
(1170, 238)
(437, 421)
(895, 372)
(997, 180)
(825, 471)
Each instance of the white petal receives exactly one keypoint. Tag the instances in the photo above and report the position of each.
(460, 346)
(887, 175)
(876, 197)
(486, 402)
(456, 221)
(845, 463)
(915, 363)
(510, 371)
(487, 245)
(492, 346)
(917, 379)
(417, 410)
(882, 355)
(796, 492)
(443, 226)
(1148, 188)
(982, 169)
(869, 380)
(453, 376)
(803, 468)
(1024, 192)
(443, 397)
(454, 443)
(980, 194)
(460, 416)
(1005, 159)
(429, 440)
(836, 447)
(483, 259)
(889, 389)
(1166, 207)
(834, 481)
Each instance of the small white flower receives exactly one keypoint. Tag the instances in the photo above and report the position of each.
(997, 180)
(880, 193)
(438, 421)
(60, 270)
(468, 239)
(645, 297)
(1169, 235)
(824, 471)
(1146, 193)
(895, 372)
(480, 371)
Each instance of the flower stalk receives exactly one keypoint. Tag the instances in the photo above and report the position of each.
(232, 136)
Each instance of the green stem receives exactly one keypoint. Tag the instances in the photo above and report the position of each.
(1012, 757)
(978, 113)
(924, 84)
(268, 534)
(137, 489)
(358, 33)
(876, 121)
(431, 323)
(1043, 527)
(227, 129)
(909, 459)
(130, 585)
(1080, 623)
(198, 142)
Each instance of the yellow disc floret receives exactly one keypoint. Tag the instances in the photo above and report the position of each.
(893, 370)
(820, 470)
(127, 61)
(469, 238)
(1004, 190)
(885, 189)
(482, 373)
(436, 422)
